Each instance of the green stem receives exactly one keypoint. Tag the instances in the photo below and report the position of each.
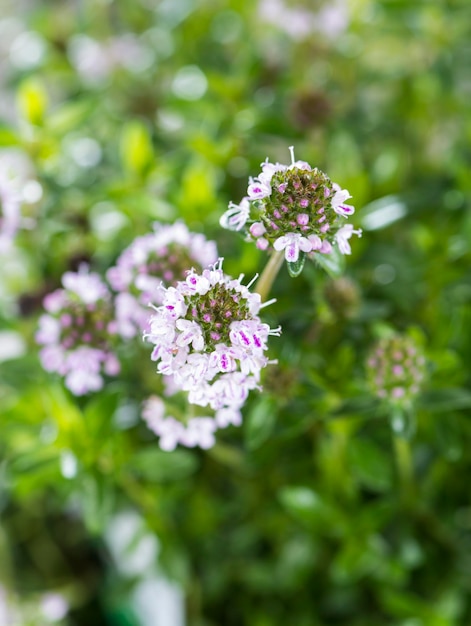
(272, 268)
(404, 463)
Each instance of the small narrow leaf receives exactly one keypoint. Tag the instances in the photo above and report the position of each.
(295, 269)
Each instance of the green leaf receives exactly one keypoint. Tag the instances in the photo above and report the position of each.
(32, 100)
(371, 465)
(333, 263)
(137, 153)
(69, 116)
(260, 422)
(447, 399)
(98, 414)
(159, 466)
(98, 501)
(295, 269)
(8, 137)
(306, 505)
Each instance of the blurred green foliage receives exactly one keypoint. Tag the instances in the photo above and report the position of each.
(305, 515)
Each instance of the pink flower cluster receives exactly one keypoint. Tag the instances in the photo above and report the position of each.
(209, 340)
(161, 257)
(76, 332)
(297, 209)
(396, 369)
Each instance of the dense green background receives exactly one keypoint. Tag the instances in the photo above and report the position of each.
(302, 515)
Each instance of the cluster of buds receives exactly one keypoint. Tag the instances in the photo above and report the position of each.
(209, 340)
(161, 257)
(294, 208)
(77, 332)
(396, 369)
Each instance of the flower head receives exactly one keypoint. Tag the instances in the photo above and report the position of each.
(295, 208)
(156, 259)
(77, 332)
(396, 369)
(209, 340)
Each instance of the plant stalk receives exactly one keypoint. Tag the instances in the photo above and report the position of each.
(269, 274)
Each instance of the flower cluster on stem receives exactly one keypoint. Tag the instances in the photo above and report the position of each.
(293, 208)
(77, 332)
(396, 369)
(209, 339)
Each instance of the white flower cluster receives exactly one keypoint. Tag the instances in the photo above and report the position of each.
(209, 340)
(297, 209)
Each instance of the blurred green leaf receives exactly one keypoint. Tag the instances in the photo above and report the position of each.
(371, 465)
(97, 498)
(8, 137)
(306, 505)
(69, 116)
(446, 399)
(159, 466)
(32, 100)
(260, 422)
(137, 154)
(333, 263)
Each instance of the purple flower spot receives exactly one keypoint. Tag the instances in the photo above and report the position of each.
(244, 338)
(304, 202)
